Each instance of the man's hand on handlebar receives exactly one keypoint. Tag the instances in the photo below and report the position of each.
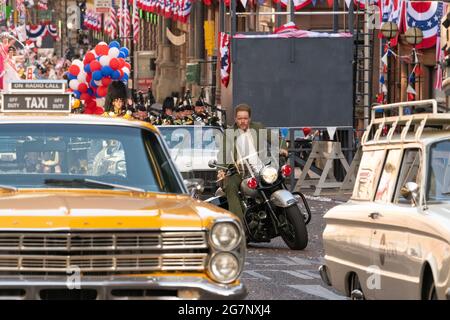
(284, 152)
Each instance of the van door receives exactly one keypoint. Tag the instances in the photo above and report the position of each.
(390, 277)
(353, 228)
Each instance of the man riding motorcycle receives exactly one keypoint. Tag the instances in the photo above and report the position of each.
(244, 148)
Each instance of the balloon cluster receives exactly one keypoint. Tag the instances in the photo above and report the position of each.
(89, 79)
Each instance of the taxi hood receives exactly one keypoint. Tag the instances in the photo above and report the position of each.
(104, 210)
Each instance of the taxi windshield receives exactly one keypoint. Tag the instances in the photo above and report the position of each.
(84, 156)
(438, 187)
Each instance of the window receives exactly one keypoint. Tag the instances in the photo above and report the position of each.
(386, 185)
(409, 172)
(438, 186)
(368, 174)
(73, 156)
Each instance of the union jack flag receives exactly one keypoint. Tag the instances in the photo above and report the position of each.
(425, 15)
(225, 65)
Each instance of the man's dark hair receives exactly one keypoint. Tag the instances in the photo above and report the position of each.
(243, 107)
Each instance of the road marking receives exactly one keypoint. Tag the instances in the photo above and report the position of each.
(298, 274)
(257, 275)
(318, 291)
(314, 274)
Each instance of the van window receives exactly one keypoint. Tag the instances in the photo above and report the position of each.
(386, 185)
(368, 174)
(409, 172)
(438, 184)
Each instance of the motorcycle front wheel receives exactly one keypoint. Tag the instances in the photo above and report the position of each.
(294, 232)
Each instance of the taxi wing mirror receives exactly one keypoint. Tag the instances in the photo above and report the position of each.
(410, 192)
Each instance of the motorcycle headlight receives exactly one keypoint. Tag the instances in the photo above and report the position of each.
(225, 236)
(224, 267)
(269, 175)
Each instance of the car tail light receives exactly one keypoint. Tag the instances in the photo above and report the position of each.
(286, 170)
(252, 183)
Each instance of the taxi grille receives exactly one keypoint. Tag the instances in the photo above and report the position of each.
(107, 253)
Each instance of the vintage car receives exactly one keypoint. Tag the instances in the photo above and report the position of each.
(391, 240)
(93, 207)
(191, 148)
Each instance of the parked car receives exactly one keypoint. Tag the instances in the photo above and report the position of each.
(391, 240)
(93, 208)
(191, 148)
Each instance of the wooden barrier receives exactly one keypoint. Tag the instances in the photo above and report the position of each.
(324, 152)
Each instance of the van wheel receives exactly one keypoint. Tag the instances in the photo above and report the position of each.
(355, 289)
(429, 292)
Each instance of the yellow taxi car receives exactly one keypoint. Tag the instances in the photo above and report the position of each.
(93, 208)
(391, 240)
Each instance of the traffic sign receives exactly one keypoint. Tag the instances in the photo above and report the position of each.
(102, 6)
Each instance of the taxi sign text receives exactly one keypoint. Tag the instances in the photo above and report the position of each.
(37, 85)
(36, 102)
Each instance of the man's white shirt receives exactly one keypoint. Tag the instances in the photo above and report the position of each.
(246, 150)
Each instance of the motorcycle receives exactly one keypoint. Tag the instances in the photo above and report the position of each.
(270, 209)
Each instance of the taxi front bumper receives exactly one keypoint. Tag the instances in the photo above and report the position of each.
(117, 288)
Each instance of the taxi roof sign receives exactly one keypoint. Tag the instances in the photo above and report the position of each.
(36, 97)
(38, 85)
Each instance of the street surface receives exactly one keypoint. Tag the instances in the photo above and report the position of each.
(273, 271)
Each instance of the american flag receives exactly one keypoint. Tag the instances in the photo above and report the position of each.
(298, 4)
(440, 56)
(425, 15)
(225, 62)
(124, 21)
(43, 5)
(111, 29)
(136, 22)
(361, 4)
(392, 11)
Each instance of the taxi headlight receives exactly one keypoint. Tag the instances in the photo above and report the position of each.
(269, 175)
(224, 267)
(225, 236)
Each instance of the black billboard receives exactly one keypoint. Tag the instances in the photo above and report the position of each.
(295, 82)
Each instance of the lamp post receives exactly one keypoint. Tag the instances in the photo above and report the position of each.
(414, 36)
(389, 30)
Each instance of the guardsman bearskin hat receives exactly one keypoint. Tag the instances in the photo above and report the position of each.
(168, 103)
(116, 90)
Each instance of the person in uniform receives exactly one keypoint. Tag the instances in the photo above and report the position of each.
(167, 116)
(178, 115)
(200, 115)
(116, 100)
(187, 115)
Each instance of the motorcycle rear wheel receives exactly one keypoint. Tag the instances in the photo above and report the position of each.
(294, 234)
